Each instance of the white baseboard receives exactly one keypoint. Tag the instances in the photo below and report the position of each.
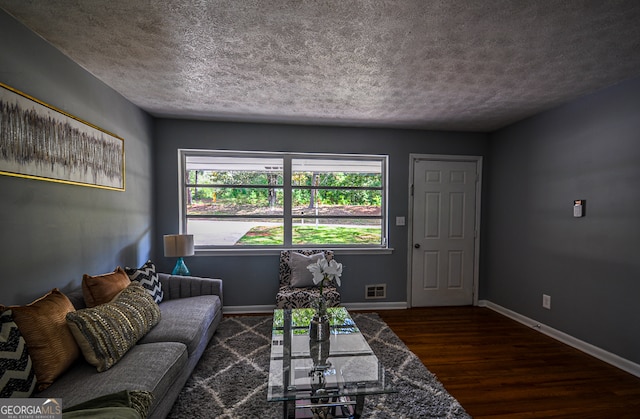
(383, 305)
(596, 352)
(267, 309)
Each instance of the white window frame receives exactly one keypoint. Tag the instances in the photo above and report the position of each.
(287, 190)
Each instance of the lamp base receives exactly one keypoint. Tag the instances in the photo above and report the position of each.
(181, 268)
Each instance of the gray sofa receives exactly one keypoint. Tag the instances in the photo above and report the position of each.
(162, 361)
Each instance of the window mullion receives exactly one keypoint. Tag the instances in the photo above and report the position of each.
(229, 186)
(183, 192)
(341, 188)
(384, 207)
(287, 199)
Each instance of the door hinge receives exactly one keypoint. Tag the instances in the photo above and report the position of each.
(411, 190)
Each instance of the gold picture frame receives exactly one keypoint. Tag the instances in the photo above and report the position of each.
(40, 141)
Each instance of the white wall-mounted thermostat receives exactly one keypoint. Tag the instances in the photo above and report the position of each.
(578, 208)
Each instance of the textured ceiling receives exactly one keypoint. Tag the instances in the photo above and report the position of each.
(450, 64)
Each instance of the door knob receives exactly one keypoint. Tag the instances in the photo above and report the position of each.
(417, 245)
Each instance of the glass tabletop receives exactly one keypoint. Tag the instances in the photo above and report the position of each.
(343, 365)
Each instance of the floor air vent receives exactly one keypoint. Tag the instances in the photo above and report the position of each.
(375, 291)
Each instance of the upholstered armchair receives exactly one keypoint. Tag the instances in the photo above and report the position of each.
(295, 291)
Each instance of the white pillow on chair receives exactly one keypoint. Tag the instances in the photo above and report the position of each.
(300, 275)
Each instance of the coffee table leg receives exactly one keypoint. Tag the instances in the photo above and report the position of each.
(289, 409)
(359, 406)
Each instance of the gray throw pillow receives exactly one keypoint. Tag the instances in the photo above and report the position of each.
(300, 275)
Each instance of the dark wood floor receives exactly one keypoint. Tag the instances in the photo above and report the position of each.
(498, 368)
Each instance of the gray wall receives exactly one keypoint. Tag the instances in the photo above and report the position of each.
(254, 280)
(589, 149)
(53, 233)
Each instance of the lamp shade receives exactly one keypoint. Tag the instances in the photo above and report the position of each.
(178, 245)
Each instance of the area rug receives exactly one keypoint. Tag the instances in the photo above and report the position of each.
(230, 381)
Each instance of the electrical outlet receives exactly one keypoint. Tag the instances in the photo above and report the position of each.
(546, 301)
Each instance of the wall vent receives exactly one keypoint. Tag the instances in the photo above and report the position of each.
(375, 291)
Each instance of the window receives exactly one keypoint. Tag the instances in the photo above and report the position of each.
(235, 199)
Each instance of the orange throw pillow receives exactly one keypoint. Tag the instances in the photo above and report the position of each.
(101, 289)
(43, 326)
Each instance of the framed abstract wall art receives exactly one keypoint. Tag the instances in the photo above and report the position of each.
(39, 141)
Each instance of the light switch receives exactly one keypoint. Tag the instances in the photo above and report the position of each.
(400, 221)
(578, 208)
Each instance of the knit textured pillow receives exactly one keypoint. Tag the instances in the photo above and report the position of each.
(17, 378)
(148, 277)
(106, 332)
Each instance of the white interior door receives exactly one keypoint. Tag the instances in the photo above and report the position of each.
(443, 220)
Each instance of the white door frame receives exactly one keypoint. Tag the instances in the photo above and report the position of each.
(476, 257)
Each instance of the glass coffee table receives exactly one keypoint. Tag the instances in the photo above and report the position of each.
(328, 379)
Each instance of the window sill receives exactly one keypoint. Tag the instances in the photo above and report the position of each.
(276, 251)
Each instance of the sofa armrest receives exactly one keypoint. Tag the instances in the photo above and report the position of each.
(175, 286)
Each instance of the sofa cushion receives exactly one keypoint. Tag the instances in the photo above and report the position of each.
(184, 320)
(17, 378)
(49, 341)
(152, 367)
(106, 332)
(300, 275)
(101, 289)
(290, 297)
(76, 296)
(148, 277)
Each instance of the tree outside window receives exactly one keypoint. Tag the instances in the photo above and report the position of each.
(248, 200)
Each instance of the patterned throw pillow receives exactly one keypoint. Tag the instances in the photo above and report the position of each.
(148, 277)
(106, 332)
(17, 378)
